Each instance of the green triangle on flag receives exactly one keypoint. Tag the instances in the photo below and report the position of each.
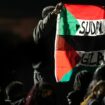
(68, 24)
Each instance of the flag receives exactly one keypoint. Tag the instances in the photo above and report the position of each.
(80, 40)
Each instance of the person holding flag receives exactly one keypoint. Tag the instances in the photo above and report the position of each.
(44, 38)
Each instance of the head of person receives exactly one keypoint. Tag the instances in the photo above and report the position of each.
(99, 74)
(99, 89)
(96, 95)
(42, 93)
(46, 94)
(47, 10)
(82, 80)
(15, 91)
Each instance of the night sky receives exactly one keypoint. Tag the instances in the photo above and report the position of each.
(34, 7)
(25, 7)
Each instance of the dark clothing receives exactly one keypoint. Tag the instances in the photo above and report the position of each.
(75, 97)
(44, 38)
(94, 102)
(103, 101)
(18, 102)
(82, 80)
(42, 94)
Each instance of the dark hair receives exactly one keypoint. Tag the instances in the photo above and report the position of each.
(46, 94)
(47, 10)
(99, 74)
(43, 94)
(82, 80)
(15, 90)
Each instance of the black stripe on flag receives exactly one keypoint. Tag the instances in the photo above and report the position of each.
(86, 43)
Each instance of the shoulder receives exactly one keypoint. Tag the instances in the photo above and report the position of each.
(73, 94)
(93, 102)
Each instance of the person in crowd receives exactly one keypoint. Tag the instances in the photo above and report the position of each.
(81, 82)
(95, 94)
(3, 97)
(15, 93)
(44, 38)
(103, 101)
(99, 74)
(42, 94)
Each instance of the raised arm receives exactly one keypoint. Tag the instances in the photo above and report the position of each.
(46, 25)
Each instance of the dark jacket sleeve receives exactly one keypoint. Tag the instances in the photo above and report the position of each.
(44, 27)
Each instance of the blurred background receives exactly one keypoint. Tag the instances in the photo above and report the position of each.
(17, 50)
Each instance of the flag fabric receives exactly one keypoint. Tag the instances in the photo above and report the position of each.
(80, 40)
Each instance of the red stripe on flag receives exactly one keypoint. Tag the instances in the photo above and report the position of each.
(86, 12)
(62, 64)
(66, 57)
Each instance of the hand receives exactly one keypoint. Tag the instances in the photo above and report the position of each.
(58, 8)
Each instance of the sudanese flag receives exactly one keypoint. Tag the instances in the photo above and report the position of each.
(80, 40)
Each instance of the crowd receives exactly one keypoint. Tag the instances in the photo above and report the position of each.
(88, 89)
